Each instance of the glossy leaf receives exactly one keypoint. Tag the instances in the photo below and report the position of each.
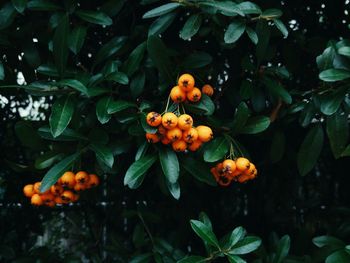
(135, 174)
(331, 75)
(75, 84)
(2, 72)
(204, 232)
(249, 8)
(42, 5)
(197, 60)
(338, 257)
(246, 245)
(252, 35)
(281, 27)
(47, 159)
(77, 38)
(329, 241)
(269, 14)
(338, 133)
(61, 115)
(95, 17)
(132, 64)
(282, 249)
(191, 27)
(174, 189)
(161, 10)
(103, 154)
(170, 164)
(161, 24)
(137, 84)
(19, 5)
(102, 109)
(118, 77)
(119, 105)
(192, 259)
(216, 149)
(234, 32)
(110, 48)
(198, 170)
(204, 107)
(256, 124)
(235, 259)
(60, 44)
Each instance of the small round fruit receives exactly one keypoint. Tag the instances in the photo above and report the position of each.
(28, 190)
(67, 196)
(190, 135)
(229, 166)
(82, 177)
(36, 187)
(75, 197)
(94, 180)
(174, 134)
(56, 189)
(224, 181)
(152, 138)
(185, 122)
(215, 173)
(47, 197)
(80, 187)
(179, 146)
(165, 140)
(59, 200)
(162, 130)
(169, 120)
(250, 170)
(195, 145)
(242, 164)
(154, 119)
(205, 134)
(208, 90)
(186, 82)
(243, 178)
(51, 203)
(220, 168)
(194, 95)
(68, 179)
(177, 95)
(36, 200)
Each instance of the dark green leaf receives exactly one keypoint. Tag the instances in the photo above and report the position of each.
(338, 133)
(144, 258)
(57, 171)
(252, 35)
(196, 60)
(204, 232)
(227, 8)
(112, 7)
(2, 72)
(281, 27)
(174, 189)
(329, 241)
(110, 48)
(67, 135)
(235, 259)
(28, 136)
(19, 5)
(161, 24)
(170, 164)
(330, 102)
(61, 115)
(256, 124)
(132, 64)
(276, 89)
(282, 249)
(102, 109)
(137, 84)
(234, 32)
(236, 235)
(191, 26)
(339, 256)
(77, 38)
(216, 149)
(198, 170)
(240, 118)
(204, 106)
(118, 77)
(103, 154)
(161, 10)
(263, 31)
(119, 105)
(310, 150)
(42, 5)
(141, 150)
(345, 51)
(47, 159)
(135, 174)
(249, 8)
(192, 259)
(346, 152)
(60, 44)
(7, 15)
(75, 84)
(246, 245)
(270, 14)
(333, 74)
(325, 60)
(95, 17)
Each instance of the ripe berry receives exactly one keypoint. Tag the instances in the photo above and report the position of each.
(185, 122)
(154, 119)
(36, 200)
(243, 178)
(194, 95)
(195, 145)
(177, 95)
(28, 190)
(169, 120)
(186, 82)
(67, 196)
(162, 130)
(80, 187)
(205, 134)
(152, 138)
(229, 166)
(174, 134)
(47, 197)
(94, 180)
(56, 189)
(165, 140)
(242, 164)
(68, 179)
(208, 90)
(82, 177)
(179, 146)
(190, 135)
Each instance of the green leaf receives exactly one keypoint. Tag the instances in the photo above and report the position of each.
(19, 5)
(227, 8)
(142, 150)
(192, 259)
(281, 27)
(75, 84)
(234, 32)
(338, 133)
(345, 51)
(331, 75)
(161, 24)
(310, 150)
(277, 146)
(256, 124)
(135, 174)
(346, 152)
(270, 14)
(196, 60)
(240, 118)
(236, 235)
(133, 62)
(118, 77)
(204, 232)
(77, 38)
(174, 189)
(264, 31)
(322, 241)
(216, 149)
(277, 90)
(235, 259)
(161, 10)
(7, 15)
(57, 171)
(249, 8)
(2, 72)
(95, 17)
(325, 60)
(144, 258)
(103, 154)
(246, 245)
(42, 5)
(252, 35)
(137, 84)
(339, 256)
(61, 114)
(282, 249)
(191, 26)
(198, 170)
(67, 135)
(60, 44)
(109, 49)
(102, 109)
(170, 164)
(330, 102)
(28, 136)
(47, 159)
(204, 107)
(119, 105)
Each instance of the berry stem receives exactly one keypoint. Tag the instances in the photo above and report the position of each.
(167, 104)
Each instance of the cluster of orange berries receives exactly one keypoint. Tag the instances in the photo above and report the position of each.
(65, 191)
(240, 170)
(185, 90)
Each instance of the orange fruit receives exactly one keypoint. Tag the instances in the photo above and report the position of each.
(36, 200)
(242, 164)
(154, 119)
(208, 90)
(243, 178)
(250, 170)
(169, 120)
(67, 196)
(47, 197)
(56, 189)
(162, 130)
(75, 197)
(205, 134)
(224, 181)
(174, 134)
(190, 135)
(80, 187)
(165, 140)
(152, 138)
(195, 145)
(82, 177)
(186, 82)
(28, 190)
(179, 146)
(94, 180)
(68, 179)
(229, 166)
(185, 122)
(194, 95)
(51, 203)
(177, 95)
(215, 173)
(59, 200)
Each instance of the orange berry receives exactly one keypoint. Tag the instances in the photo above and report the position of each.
(194, 95)
(205, 134)
(185, 122)
(36, 200)
(152, 138)
(94, 180)
(224, 180)
(243, 178)
(82, 177)
(36, 187)
(47, 197)
(174, 134)
(186, 82)
(80, 187)
(154, 119)
(75, 197)
(177, 94)
(208, 90)
(28, 190)
(169, 120)
(220, 168)
(67, 196)
(165, 141)
(190, 135)
(59, 200)
(195, 145)
(235, 173)
(215, 173)
(242, 164)
(250, 170)
(51, 203)
(229, 166)
(179, 146)
(56, 189)
(68, 179)
(162, 130)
